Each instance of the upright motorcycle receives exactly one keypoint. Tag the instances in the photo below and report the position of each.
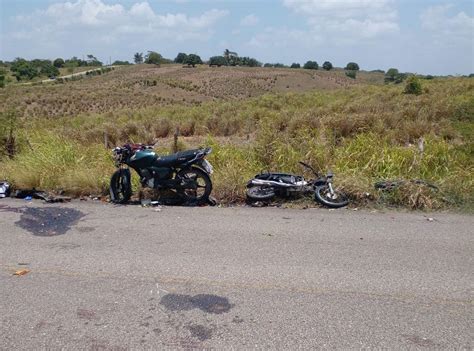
(265, 186)
(186, 173)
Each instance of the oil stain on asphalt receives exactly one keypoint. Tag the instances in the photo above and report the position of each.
(200, 332)
(48, 221)
(208, 303)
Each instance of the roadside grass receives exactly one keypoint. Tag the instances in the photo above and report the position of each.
(363, 133)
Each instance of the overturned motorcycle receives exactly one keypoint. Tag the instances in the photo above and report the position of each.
(265, 186)
(186, 173)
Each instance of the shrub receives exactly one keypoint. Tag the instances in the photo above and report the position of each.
(351, 74)
(413, 86)
(295, 65)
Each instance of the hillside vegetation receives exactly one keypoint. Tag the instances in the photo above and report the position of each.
(255, 119)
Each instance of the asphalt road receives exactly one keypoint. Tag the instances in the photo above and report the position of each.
(104, 277)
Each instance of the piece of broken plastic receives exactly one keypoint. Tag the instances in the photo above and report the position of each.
(22, 272)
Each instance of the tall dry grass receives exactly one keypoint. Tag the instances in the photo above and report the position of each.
(363, 133)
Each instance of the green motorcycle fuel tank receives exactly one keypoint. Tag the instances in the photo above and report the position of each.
(146, 160)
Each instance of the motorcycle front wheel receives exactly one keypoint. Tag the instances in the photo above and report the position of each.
(260, 193)
(198, 185)
(120, 186)
(322, 194)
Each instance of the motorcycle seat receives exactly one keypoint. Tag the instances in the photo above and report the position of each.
(176, 159)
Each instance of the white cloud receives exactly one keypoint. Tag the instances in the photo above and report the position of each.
(84, 17)
(87, 12)
(354, 19)
(108, 28)
(438, 20)
(249, 20)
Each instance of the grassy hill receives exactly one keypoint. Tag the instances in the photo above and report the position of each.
(255, 119)
(131, 87)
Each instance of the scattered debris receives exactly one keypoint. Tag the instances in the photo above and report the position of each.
(29, 194)
(258, 204)
(4, 189)
(22, 272)
(145, 202)
(212, 201)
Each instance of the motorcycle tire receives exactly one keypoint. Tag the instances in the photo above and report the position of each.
(260, 193)
(323, 196)
(120, 186)
(203, 182)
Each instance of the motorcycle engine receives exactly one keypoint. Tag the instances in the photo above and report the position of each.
(147, 178)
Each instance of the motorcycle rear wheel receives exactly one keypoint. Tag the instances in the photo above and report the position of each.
(323, 195)
(260, 193)
(120, 186)
(202, 182)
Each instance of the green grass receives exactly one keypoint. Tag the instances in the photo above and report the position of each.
(363, 133)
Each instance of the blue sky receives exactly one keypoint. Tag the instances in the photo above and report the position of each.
(422, 36)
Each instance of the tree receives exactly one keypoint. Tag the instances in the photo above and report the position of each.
(181, 58)
(352, 66)
(49, 70)
(138, 57)
(391, 75)
(311, 65)
(58, 63)
(295, 65)
(217, 61)
(153, 58)
(413, 86)
(231, 57)
(248, 61)
(92, 61)
(23, 69)
(327, 66)
(120, 63)
(193, 60)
